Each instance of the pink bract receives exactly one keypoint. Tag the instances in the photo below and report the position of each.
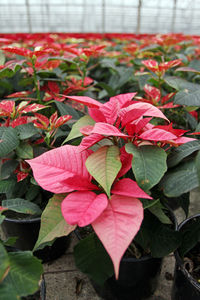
(117, 226)
(82, 208)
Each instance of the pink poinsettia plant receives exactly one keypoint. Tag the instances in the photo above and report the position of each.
(95, 176)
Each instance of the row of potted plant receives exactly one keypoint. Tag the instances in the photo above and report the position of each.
(109, 127)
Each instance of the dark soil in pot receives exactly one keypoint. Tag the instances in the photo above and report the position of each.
(186, 284)
(27, 230)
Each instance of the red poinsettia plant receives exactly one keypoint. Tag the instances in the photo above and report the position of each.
(24, 134)
(95, 179)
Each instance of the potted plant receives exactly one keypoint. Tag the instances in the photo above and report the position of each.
(186, 283)
(108, 185)
(25, 133)
(20, 271)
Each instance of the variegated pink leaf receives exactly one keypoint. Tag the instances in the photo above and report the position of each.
(130, 188)
(151, 64)
(132, 115)
(22, 94)
(82, 208)
(110, 110)
(164, 66)
(53, 167)
(141, 124)
(151, 111)
(21, 121)
(62, 120)
(169, 105)
(42, 119)
(107, 130)
(157, 134)
(126, 160)
(167, 97)
(85, 100)
(32, 108)
(53, 117)
(96, 114)
(22, 105)
(90, 140)
(117, 226)
(181, 140)
(53, 87)
(19, 51)
(123, 99)
(79, 183)
(153, 92)
(7, 106)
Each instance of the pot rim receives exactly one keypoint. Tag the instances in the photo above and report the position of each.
(12, 220)
(179, 260)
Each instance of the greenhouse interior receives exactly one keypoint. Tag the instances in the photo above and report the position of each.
(100, 150)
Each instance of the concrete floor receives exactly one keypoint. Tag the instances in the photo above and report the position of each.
(65, 282)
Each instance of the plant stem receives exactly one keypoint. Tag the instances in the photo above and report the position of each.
(36, 81)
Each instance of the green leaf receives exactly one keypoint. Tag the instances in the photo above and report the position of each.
(2, 217)
(157, 210)
(22, 206)
(33, 192)
(179, 153)
(8, 140)
(109, 63)
(26, 131)
(104, 165)
(180, 84)
(24, 151)
(125, 75)
(92, 259)
(142, 80)
(75, 132)
(53, 224)
(157, 238)
(148, 203)
(164, 240)
(107, 88)
(148, 164)
(66, 109)
(10, 241)
(8, 168)
(180, 180)
(188, 97)
(192, 122)
(4, 263)
(6, 72)
(188, 93)
(7, 185)
(23, 277)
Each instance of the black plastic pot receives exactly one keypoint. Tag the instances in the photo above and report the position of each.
(185, 287)
(137, 280)
(27, 231)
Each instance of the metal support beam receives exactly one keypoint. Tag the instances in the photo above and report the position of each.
(103, 4)
(174, 16)
(28, 15)
(139, 16)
